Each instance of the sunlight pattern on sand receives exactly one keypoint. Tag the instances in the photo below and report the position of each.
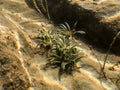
(21, 32)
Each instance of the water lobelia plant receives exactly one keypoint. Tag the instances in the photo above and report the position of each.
(64, 55)
(63, 52)
(46, 38)
(66, 30)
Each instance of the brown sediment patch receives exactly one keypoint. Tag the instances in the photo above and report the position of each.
(12, 72)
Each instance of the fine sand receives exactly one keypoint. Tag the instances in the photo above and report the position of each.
(21, 62)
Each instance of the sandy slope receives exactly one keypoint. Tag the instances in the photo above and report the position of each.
(21, 63)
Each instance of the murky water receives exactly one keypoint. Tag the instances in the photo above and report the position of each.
(19, 25)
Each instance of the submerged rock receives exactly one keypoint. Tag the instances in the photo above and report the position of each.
(99, 18)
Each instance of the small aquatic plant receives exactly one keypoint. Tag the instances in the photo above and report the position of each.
(46, 38)
(63, 52)
(66, 30)
(65, 55)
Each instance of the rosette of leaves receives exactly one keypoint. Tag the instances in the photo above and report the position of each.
(65, 55)
(65, 29)
(46, 38)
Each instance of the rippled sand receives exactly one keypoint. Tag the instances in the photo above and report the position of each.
(21, 63)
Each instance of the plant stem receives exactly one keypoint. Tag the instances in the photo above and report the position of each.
(107, 54)
(48, 14)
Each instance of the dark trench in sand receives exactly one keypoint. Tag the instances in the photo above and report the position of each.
(98, 32)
